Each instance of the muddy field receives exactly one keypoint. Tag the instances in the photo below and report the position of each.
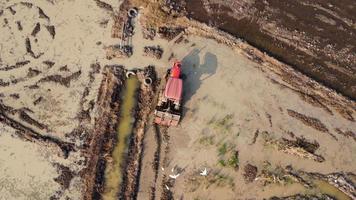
(258, 127)
(316, 38)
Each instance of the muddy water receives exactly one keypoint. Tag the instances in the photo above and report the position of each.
(328, 189)
(333, 72)
(113, 173)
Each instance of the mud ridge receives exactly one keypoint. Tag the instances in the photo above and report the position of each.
(65, 81)
(310, 121)
(31, 135)
(101, 141)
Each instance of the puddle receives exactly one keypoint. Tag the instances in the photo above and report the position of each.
(113, 173)
(325, 188)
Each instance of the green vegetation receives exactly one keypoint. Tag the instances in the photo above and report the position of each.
(222, 162)
(233, 161)
(206, 140)
(228, 157)
(221, 180)
(222, 149)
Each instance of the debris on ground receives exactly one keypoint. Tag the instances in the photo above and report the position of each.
(300, 147)
(149, 33)
(304, 197)
(116, 51)
(153, 51)
(169, 33)
(174, 8)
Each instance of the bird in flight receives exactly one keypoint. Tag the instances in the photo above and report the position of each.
(204, 172)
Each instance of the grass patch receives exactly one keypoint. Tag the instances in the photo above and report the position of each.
(233, 161)
(222, 149)
(222, 162)
(223, 125)
(206, 140)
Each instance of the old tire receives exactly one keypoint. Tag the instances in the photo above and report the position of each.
(132, 12)
(148, 81)
(130, 73)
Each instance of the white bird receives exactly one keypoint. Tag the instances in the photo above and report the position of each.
(174, 176)
(167, 187)
(172, 169)
(204, 172)
(162, 168)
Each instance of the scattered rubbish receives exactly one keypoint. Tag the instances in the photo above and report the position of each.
(116, 51)
(174, 176)
(162, 168)
(149, 33)
(153, 51)
(169, 32)
(167, 187)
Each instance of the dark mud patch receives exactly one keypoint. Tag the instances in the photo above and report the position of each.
(250, 173)
(169, 33)
(304, 197)
(32, 72)
(300, 147)
(104, 5)
(51, 30)
(311, 122)
(346, 133)
(65, 176)
(36, 29)
(42, 14)
(153, 51)
(29, 49)
(28, 119)
(17, 65)
(48, 63)
(29, 134)
(65, 81)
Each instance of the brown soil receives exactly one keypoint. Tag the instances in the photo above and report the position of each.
(102, 141)
(250, 173)
(65, 81)
(153, 51)
(310, 121)
(316, 34)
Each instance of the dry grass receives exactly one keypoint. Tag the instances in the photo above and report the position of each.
(154, 16)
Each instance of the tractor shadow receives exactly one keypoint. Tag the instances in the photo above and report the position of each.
(195, 73)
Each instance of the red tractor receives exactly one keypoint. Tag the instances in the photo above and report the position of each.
(168, 110)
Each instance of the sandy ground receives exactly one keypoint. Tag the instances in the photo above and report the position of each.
(227, 97)
(52, 82)
(217, 87)
(222, 82)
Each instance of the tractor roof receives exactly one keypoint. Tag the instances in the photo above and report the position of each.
(174, 89)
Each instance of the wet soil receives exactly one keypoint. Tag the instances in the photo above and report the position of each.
(314, 37)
